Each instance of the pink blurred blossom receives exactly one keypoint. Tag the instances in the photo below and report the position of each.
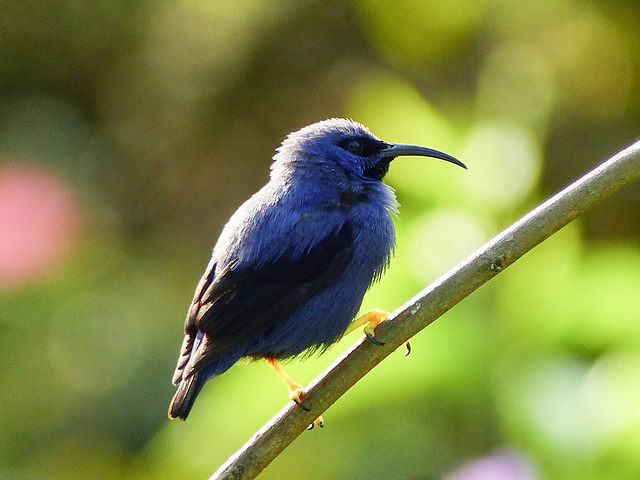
(39, 221)
(507, 465)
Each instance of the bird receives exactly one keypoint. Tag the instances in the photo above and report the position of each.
(289, 271)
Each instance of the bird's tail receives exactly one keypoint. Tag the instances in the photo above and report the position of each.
(184, 397)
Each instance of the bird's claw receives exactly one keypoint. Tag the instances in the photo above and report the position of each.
(373, 339)
(299, 403)
(318, 421)
(296, 396)
(372, 319)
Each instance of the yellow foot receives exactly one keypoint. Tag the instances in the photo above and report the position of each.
(371, 320)
(407, 347)
(318, 421)
(295, 390)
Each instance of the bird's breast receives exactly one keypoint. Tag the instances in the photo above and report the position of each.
(374, 237)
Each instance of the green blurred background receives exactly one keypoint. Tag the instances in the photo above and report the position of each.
(130, 130)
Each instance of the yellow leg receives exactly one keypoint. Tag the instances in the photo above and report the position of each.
(371, 320)
(295, 389)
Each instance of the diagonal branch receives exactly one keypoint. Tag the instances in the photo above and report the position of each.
(424, 308)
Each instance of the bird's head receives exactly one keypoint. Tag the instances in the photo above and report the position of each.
(340, 143)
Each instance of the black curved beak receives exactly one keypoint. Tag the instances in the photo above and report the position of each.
(395, 150)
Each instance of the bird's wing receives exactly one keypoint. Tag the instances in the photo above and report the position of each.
(241, 302)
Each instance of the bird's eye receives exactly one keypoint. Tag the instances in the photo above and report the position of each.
(355, 147)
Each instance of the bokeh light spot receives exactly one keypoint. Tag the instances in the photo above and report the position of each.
(39, 221)
(612, 389)
(546, 398)
(516, 82)
(443, 238)
(506, 162)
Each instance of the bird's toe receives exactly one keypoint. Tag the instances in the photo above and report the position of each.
(371, 320)
(318, 421)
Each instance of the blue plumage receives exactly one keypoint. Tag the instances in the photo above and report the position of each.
(291, 266)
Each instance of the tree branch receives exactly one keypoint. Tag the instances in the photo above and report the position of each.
(429, 304)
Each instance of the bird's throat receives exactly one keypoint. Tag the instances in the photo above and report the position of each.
(378, 170)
